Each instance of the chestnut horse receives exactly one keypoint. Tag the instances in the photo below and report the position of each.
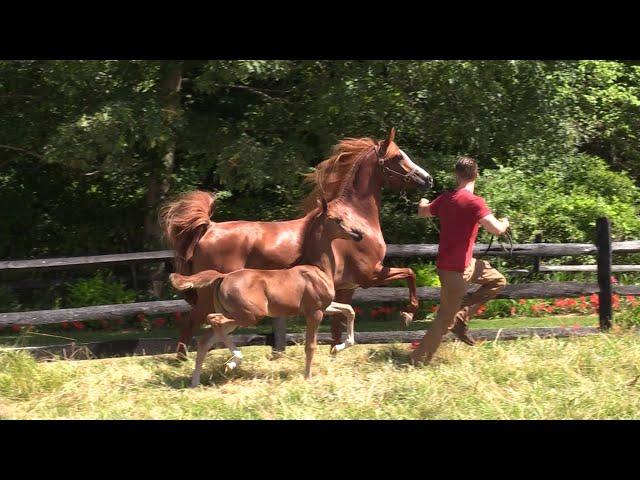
(356, 172)
(245, 296)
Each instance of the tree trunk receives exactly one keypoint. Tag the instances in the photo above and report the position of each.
(160, 178)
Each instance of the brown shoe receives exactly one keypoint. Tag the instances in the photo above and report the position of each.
(461, 330)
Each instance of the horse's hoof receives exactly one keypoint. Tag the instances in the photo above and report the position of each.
(406, 318)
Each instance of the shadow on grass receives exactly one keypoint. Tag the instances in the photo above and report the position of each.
(399, 355)
(213, 374)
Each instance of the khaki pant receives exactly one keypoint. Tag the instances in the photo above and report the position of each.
(453, 305)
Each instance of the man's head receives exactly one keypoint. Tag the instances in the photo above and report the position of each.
(466, 170)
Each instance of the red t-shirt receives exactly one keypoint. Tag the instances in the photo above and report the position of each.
(459, 212)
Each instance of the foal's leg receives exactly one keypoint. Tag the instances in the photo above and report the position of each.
(223, 332)
(342, 296)
(205, 342)
(311, 340)
(350, 315)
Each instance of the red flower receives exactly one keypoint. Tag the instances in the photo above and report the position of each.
(415, 344)
(613, 279)
(140, 317)
(358, 310)
(15, 328)
(522, 301)
(481, 309)
(178, 315)
(64, 325)
(159, 322)
(78, 325)
(513, 310)
(594, 299)
(434, 309)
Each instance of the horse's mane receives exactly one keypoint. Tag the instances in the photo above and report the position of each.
(332, 175)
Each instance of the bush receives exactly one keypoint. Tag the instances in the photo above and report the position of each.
(101, 289)
(562, 198)
(8, 300)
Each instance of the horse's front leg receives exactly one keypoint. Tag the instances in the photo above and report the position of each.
(350, 315)
(384, 275)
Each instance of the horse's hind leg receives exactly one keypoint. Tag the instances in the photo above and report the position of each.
(205, 342)
(350, 315)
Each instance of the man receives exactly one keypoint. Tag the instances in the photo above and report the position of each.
(460, 213)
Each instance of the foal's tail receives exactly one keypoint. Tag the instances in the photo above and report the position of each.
(198, 280)
(185, 219)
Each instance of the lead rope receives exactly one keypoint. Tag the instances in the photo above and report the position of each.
(509, 237)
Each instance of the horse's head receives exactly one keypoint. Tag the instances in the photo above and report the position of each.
(398, 170)
(338, 221)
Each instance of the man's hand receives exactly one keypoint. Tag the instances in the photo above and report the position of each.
(493, 225)
(423, 208)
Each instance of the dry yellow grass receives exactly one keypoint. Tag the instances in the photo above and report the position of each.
(592, 377)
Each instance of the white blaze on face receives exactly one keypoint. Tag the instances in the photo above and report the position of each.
(408, 163)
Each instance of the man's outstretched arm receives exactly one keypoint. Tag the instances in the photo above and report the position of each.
(493, 225)
(423, 208)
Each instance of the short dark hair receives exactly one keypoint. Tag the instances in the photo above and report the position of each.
(467, 168)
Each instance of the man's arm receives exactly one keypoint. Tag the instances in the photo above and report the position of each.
(423, 208)
(493, 225)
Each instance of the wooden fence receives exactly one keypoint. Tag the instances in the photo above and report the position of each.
(603, 250)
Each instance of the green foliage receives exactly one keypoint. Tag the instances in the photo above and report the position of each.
(88, 140)
(101, 289)
(8, 300)
(562, 199)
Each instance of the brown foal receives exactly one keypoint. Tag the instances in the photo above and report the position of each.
(243, 297)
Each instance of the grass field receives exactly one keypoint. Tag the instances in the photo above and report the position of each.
(595, 377)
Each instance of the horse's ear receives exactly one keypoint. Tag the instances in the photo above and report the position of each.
(385, 143)
(392, 135)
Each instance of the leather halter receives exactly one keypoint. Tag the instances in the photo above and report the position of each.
(382, 163)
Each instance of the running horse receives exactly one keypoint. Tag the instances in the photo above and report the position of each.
(356, 172)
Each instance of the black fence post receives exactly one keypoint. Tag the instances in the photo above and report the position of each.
(536, 260)
(603, 242)
(279, 336)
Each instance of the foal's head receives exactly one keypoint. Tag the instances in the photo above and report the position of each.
(338, 222)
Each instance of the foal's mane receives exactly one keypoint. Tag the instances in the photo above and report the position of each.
(333, 175)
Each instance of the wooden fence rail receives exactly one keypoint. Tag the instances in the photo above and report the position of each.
(362, 296)
(393, 251)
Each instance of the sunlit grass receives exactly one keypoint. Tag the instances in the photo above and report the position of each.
(589, 377)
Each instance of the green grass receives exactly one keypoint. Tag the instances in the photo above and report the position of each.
(594, 377)
(296, 326)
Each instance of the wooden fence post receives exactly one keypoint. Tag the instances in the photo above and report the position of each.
(603, 242)
(279, 336)
(536, 260)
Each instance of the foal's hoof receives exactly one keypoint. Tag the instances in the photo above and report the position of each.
(229, 367)
(406, 318)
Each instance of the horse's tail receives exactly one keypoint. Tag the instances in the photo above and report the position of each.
(184, 220)
(198, 280)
